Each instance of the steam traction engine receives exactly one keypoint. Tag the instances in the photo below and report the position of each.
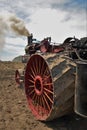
(55, 80)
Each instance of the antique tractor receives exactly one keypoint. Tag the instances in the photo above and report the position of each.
(56, 82)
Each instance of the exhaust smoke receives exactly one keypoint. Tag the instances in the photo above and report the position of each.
(17, 25)
(11, 22)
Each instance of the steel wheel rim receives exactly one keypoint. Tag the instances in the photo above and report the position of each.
(39, 87)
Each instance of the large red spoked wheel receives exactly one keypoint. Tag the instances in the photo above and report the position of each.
(39, 87)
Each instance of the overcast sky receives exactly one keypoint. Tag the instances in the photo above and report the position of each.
(56, 18)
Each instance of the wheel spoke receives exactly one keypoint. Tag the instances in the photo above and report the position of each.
(36, 64)
(33, 96)
(43, 106)
(38, 103)
(48, 97)
(46, 69)
(31, 86)
(43, 102)
(33, 72)
(48, 76)
(31, 92)
(34, 68)
(46, 102)
(48, 90)
(36, 99)
(47, 84)
(32, 76)
(42, 68)
(31, 81)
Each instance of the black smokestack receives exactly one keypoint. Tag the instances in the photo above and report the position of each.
(30, 39)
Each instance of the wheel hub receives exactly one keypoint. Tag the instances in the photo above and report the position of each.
(38, 85)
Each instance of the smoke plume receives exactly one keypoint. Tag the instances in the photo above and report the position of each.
(17, 25)
(3, 28)
(11, 23)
